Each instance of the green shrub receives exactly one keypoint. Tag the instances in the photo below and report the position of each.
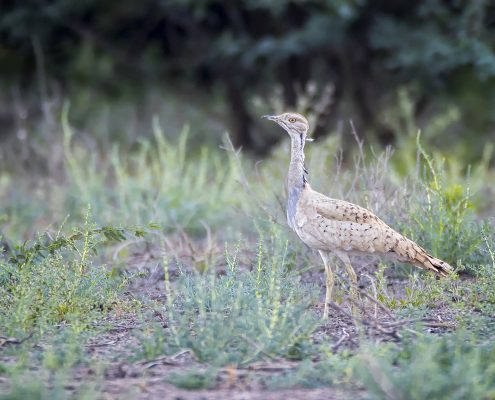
(451, 367)
(54, 280)
(192, 379)
(445, 222)
(241, 316)
(330, 370)
(158, 182)
(29, 386)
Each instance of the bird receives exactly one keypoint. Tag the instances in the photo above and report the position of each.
(333, 226)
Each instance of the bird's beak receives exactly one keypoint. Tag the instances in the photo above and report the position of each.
(270, 117)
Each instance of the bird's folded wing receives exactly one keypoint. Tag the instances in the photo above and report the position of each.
(353, 227)
(340, 210)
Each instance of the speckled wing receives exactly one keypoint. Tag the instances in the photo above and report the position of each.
(331, 224)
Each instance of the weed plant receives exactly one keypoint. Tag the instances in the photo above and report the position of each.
(332, 369)
(450, 367)
(54, 281)
(193, 379)
(158, 182)
(444, 221)
(32, 386)
(241, 316)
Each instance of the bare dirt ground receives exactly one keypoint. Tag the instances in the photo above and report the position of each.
(147, 379)
(124, 379)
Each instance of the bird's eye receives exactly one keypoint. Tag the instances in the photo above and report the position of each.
(292, 120)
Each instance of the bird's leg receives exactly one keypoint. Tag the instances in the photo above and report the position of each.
(352, 278)
(329, 281)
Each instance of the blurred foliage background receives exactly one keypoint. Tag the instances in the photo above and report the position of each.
(220, 64)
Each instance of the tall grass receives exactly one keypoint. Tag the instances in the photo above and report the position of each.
(444, 219)
(158, 182)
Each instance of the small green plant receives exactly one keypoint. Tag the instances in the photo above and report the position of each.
(159, 181)
(445, 222)
(192, 379)
(329, 371)
(31, 386)
(152, 342)
(241, 316)
(429, 367)
(54, 280)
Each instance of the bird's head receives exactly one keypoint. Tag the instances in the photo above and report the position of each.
(293, 123)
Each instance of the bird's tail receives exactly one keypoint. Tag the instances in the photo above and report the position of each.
(426, 261)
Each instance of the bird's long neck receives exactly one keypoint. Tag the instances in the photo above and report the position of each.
(297, 178)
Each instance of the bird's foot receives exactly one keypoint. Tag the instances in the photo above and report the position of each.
(354, 311)
(325, 313)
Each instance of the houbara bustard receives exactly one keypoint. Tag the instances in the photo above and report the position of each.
(337, 226)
